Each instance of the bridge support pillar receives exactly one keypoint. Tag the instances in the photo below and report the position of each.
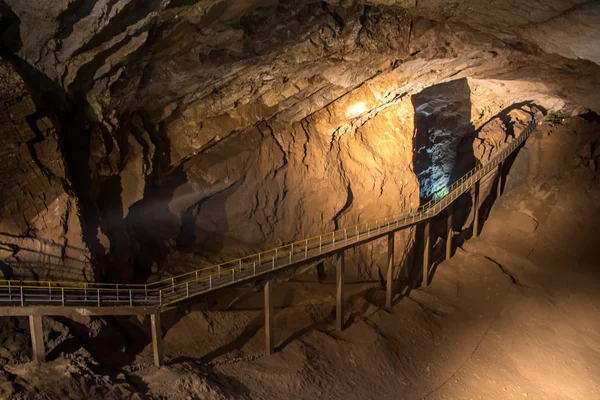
(269, 339)
(37, 338)
(426, 252)
(390, 271)
(500, 181)
(450, 232)
(339, 314)
(475, 195)
(157, 339)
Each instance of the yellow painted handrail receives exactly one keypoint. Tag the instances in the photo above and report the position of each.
(16, 288)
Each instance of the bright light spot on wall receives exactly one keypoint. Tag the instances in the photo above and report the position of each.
(356, 109)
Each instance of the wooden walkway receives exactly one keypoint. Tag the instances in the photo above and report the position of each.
(38, 298)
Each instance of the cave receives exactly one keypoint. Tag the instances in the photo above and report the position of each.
(393, 199)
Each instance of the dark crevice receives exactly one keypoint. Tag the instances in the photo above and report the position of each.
(181, 3)
(338, 19)
(85, 75)
(345, 208)
(504, 270)
(131, 14)
(591, 116)
(39, 137)
(74, 13)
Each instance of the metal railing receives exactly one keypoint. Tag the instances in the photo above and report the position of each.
(172, 290)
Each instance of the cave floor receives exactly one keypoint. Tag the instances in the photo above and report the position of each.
(545, 343)
(514, 314)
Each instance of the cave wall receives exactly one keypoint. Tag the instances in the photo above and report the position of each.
(40, 233)
(192, 132)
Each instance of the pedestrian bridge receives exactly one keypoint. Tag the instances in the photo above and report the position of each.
(54, 298)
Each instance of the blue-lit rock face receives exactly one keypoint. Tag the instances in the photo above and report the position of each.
(436, 178)
(442, 122)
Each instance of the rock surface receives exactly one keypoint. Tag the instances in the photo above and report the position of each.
(144, 138)
(193, 132)
(512, 314)
(40, 231)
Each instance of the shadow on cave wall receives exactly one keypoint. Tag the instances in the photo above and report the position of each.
(153, 226)
(443, 152)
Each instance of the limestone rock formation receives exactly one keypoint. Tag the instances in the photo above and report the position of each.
(189, 132)
(40, 231)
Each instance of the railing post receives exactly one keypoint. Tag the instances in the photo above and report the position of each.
(117, 292)
(254, 267)
(187, 289)
(210, 281)
(22, 297)
(273, 265)
(130, 299)
(160, 297)
(145, 292)
(306, 249)
(98, 297)
(9, 292)
(320, 243)
(173, 284)
(196, 276)
(332, 239)
(63, 296)
(346, 235)
(49, 291)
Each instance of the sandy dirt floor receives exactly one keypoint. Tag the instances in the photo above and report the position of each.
(514, 314)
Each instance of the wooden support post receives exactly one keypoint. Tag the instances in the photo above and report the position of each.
(37, 339)
(157, 339)
(426, 252)
(476, 209)
(269, 342)
(500, 178)
(390, 271)
(339, 316)
(450, 232)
